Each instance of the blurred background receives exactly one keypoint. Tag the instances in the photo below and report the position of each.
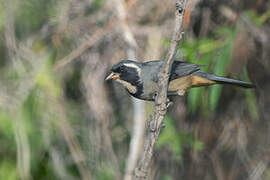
(60, 120)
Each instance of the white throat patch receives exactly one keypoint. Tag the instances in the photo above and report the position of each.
(134, 66)
(127, 85)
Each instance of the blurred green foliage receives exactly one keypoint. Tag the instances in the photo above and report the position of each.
(8, 170)
(251, 100)
(256, 18)
(105, 173)
(175, 141)
(214, 53)
(166, 177)
(96, 4)
(33, 14)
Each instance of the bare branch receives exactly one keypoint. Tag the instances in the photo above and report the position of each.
(84, 46)
(160, 101)
(100, 107)
(97, 35)
(138, 106)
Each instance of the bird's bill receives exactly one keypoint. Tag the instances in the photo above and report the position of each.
(113, 76)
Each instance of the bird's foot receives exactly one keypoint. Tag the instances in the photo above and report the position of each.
(169, 103)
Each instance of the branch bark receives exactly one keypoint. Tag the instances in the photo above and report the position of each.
(160, 101)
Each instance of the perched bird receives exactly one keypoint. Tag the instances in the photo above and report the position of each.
(140, 79)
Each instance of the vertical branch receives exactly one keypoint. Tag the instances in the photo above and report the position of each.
(73, 145)
(100, 107)
(23, 149)
(21, 137)
(138, 106)
(160, 101)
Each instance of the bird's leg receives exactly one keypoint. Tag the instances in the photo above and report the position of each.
(169, 102)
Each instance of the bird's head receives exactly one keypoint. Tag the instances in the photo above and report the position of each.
(127, 73)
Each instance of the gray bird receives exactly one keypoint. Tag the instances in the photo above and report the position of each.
(140, 79)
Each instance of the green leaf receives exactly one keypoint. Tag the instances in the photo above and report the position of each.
(194, 95)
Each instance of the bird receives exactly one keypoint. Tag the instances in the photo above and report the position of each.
(141, 79)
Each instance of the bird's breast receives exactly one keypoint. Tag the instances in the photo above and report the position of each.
(131, 88)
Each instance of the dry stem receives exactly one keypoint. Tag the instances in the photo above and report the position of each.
(160, 101)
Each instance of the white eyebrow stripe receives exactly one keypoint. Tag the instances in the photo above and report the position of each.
(138, 69)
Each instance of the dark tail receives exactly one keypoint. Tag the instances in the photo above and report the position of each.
(222, 80)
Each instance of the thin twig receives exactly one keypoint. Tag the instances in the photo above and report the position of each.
(97, 35)
(84, 46)
(100, 108)
(160, 101)
(69, 135)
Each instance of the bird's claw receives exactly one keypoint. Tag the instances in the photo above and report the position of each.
(152, 125)
(169, 103)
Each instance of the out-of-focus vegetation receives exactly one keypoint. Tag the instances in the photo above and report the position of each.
(60, 120)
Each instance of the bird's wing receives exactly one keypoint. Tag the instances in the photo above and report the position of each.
(180, 69)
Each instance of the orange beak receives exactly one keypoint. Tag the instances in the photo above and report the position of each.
(113, 76)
